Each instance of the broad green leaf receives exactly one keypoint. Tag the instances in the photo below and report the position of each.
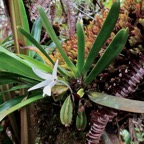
(55, 39)
(35, 63)
(103, 35)
(10, 64)
(10, 54)
(36, 33)
(81, 47)
(7, 108)
(118, 103)
(111, 52)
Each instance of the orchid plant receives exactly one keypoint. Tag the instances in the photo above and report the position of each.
(30, 71)
(33, 75)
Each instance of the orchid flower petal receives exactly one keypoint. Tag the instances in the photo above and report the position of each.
(42, 74)
(39, 85)
(54, 74)
(47, 89)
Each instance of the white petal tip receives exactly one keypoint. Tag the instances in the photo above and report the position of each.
(29, 89)
(45, 95)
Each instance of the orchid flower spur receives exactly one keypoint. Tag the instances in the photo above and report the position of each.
(50, 80)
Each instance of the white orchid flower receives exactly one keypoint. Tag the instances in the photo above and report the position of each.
(50, 80)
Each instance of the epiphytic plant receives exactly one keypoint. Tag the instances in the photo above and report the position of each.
(79, 67)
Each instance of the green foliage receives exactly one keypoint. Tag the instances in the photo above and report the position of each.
(20, 67)
(111, 52)
(17, 103)
(36, 33)
(81, 47)
(55, 39)
(103, 35)
(8, 42)
(34, 42)
(12, 63)
(35, 63)
(66, 112)
(127, 138)
(139, 135)
(116, 102)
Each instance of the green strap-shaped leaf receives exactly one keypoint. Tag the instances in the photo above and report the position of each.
(81, 47)
(10, 64)
(36, 29)
(11, 54)
(34, 42)
(5, 80)
(111, 52)
(35, 63)
(118, 103)
(103, 35)
(36, 33)
(9, 78)
(55, 39)
(7, 108)
(6, 105)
